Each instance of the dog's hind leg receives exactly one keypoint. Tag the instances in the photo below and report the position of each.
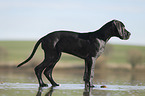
(48, 71)
(38, 71)
(48, 74)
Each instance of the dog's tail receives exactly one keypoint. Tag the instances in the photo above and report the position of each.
(32, 54)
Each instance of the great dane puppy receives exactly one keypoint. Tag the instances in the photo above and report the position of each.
(88, 46)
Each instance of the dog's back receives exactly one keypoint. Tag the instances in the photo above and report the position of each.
(67, 41)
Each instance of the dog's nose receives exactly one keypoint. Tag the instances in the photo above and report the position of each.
(129, 33)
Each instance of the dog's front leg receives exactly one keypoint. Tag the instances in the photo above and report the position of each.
(92, 71)
(87, 73)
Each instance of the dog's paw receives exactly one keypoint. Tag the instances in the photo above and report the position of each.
(43, 85)
(87, 84)
(55, 85)
(92, 86)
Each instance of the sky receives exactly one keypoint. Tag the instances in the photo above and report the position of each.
(32, 19)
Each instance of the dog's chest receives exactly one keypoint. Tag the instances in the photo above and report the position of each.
(101, 47)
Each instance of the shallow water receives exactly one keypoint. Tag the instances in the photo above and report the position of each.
(24, 83)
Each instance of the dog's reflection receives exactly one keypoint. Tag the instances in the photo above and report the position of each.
(49, 93)
(51, 90)
(87, 91)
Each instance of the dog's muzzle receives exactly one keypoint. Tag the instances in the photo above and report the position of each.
(126, 35)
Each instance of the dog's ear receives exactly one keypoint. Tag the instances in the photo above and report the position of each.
(119, 27)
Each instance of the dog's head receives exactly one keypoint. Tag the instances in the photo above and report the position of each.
(120, 30)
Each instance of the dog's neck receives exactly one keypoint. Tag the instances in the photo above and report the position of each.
(105, 32)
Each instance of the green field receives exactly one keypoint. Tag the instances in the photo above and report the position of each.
(14, 52)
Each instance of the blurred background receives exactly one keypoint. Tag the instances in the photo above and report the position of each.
(23, 22)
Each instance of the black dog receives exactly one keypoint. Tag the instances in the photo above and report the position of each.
(87, 46)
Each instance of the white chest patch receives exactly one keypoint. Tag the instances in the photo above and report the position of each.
(101, 47)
